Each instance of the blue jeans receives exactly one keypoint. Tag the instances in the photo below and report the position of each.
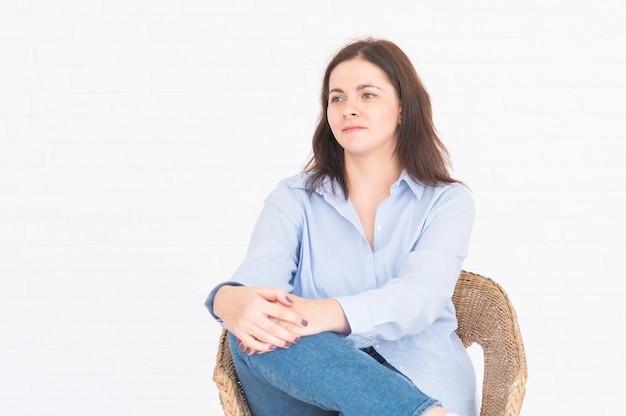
(322, 376)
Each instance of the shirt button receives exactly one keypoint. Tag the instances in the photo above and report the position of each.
(377, 346)
(379, 227)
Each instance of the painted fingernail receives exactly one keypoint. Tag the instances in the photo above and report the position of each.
(304, 322)
(272, 347)
(289, 299)
(295, 341)
(249, 351)
(288, 344)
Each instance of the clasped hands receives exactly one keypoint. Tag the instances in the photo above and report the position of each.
(265, 319)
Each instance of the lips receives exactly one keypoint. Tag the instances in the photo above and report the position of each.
(352, 129)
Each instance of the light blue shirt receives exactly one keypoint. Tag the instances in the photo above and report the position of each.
(396, 297)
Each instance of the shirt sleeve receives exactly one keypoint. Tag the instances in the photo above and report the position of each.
(422, 290)
(272, 256)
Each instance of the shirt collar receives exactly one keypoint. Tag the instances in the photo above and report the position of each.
(326, 188)
(416, 187)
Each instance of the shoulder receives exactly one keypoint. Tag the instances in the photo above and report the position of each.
(294, 182)
(456, 189)
(288, 189)
(441, 192)
(451, 195)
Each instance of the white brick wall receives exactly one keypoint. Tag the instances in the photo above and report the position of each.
(138, 139)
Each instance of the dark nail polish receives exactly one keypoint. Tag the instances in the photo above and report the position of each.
(248, 351)
(289, 299)
(295, 341)
(272, 347)
(288, 344)
(304, 322)
(242, 348)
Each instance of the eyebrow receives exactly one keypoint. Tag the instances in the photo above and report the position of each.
(358, 88)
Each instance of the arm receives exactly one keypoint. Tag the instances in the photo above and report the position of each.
(251, 308)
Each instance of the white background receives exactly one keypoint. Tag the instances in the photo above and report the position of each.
(138, 139)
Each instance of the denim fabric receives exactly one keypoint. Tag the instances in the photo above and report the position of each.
(322, 376)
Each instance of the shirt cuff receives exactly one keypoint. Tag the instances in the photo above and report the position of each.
(357, 314)
(209, 301)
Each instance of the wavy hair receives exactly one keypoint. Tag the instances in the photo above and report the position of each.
(419, 149)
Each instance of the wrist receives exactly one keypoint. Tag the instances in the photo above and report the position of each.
(218, 297)
(334, 320)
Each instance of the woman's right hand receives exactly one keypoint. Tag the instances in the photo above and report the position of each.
(257, 316)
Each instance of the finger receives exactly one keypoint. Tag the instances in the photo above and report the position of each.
(285, 300)
(275, 335)
(287, 325)
(284, 331)
(280, 312)
(249, 345)
(276, 295)
(270, 323)
(260, 333)
(264, 335)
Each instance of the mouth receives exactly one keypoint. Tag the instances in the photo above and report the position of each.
(351, 129)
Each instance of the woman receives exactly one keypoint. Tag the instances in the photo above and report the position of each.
(343, 301)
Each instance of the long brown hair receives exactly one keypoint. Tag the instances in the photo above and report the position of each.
(419, 149)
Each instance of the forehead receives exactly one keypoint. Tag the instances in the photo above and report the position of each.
(357, 71)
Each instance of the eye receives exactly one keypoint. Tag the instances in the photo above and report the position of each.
(369, 95)
(336, 99)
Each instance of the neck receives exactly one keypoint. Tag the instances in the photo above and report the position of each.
(375, 175)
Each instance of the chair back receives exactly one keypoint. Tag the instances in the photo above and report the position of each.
(486, 316)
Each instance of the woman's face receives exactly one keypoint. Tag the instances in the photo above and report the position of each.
(363, 109)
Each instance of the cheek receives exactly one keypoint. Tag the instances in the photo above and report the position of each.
(391, 117)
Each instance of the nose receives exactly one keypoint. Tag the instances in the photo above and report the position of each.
(350, 110)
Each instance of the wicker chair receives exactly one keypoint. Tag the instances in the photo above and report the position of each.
(486, 316)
